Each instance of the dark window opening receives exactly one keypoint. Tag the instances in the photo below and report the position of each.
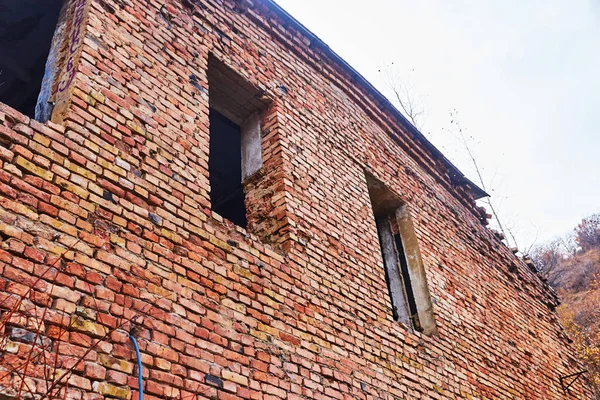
(388, 282)
(404, 271)
(404, 307)
(408, 289)
(26, 31)
(235, 144)
(225, 166)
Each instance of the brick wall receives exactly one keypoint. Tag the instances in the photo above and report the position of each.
(107, 217)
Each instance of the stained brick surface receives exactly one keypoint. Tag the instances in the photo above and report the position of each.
(297, 306)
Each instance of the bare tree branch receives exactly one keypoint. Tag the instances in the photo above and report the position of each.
(471, 155)
(409, 109)
(410, 105)
(413, 110)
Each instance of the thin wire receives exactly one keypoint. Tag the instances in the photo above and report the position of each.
(139, 364)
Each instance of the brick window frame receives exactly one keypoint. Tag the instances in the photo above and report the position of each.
(25, 82)
(60, 34)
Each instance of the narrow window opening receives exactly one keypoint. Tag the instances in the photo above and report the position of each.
(26, 31)
(225, 166)
(404, 272)
(396, 273)
(408, 289)
(235, 151)
(392, 277)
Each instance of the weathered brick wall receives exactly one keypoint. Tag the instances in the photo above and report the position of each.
(108, 217)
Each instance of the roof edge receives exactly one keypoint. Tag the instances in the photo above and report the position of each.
(455, 174)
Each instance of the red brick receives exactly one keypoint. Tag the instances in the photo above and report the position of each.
(95, 371)
(8, 191)
(48, 209)
(35, 254)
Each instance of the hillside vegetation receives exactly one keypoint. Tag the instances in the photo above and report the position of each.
(572, 267)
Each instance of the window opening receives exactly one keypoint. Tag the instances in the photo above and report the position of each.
(393, 277)
(225, 166)
(235, 151)
(408, 290)
(26, 31)
(404, 271)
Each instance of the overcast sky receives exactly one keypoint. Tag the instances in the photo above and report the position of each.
(523, 75)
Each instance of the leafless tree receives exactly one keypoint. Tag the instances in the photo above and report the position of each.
(588, 232)
(465, 142)
(546, 257)
(411, 106)
(402, 93)
(569, 244)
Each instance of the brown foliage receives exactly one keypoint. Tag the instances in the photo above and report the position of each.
(575, 275)
(572, 267)
(581, 317)
(37, 359)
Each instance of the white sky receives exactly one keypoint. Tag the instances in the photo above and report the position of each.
(523, 75)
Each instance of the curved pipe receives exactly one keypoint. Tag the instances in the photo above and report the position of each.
(139, 364)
